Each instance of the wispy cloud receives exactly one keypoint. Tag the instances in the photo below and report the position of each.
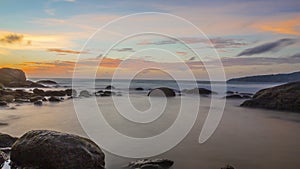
(268, 47)
(124, 50)
(65, 51)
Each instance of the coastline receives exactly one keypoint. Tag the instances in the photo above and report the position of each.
(246, 138)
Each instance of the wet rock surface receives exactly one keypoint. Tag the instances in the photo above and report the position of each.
(52, 150)
(150, 164)
(6, 140)
(201, 91)
(162, 92)
(283, 97)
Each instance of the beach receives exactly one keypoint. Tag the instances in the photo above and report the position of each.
(245, 138)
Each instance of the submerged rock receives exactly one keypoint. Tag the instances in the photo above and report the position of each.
(38, 103)
(71, 92)
(55, 93)
(162, 92)
(52, 150)
(150, 164)
(84, 93)
(6, 140)
(283, 97)
(54, 99)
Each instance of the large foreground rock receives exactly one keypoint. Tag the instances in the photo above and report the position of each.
(46, 149)
(8, 75)
(162, 92)
(283, 97)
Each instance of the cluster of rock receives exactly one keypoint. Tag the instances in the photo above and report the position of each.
(51, 150)
(282, 97)
(37, 96)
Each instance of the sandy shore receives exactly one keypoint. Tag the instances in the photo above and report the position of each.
(246, 138)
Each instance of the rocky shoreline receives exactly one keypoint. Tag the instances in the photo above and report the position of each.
(46, 149)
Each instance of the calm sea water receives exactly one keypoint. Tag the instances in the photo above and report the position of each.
(122, 85)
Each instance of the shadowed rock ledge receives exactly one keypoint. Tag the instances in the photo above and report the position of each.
(283, 97)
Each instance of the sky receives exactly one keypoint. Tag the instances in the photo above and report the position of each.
(149, 39)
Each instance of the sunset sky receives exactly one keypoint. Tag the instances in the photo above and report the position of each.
(45, 38)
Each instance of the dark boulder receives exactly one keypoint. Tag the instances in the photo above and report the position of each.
(6, 140)
(162, 92)
(39, 92)
(1, 86)
(54, 99)
(110, 87)
(38, 103)
(150, 164)
(139, 89)
(8, 75)
(55, 93)
(36, 98)
(201, 91)
(71, 92)
(52, 150)
(107, 93)
(282, 97)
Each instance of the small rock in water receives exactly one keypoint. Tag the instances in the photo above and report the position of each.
(110, 87)
(84, 93)
(38, 103)
(150, 164)
(71, 92)
(162, 92)
(54, 99)
(139, 88)
(39, 92)
(35, 98)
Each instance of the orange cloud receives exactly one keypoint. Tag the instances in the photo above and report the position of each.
(65, 51)
(282, 27)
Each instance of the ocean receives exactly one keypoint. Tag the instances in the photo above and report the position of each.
(122, 85)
